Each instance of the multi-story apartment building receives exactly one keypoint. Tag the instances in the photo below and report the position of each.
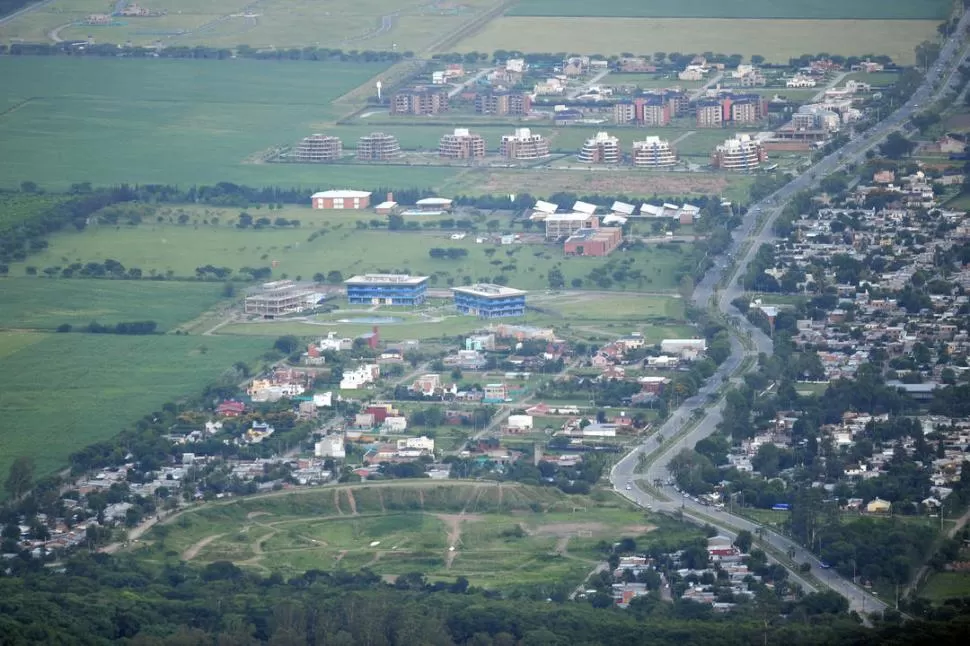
(654, 152)
(643, 111)
(503, 103)
(378, 146)
(740, 153)
(524, 145)
(462, 144)
(601, 149)
(319, 148)
(730, 108)
(420, 100)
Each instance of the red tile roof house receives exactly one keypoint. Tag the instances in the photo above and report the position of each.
(231, 408)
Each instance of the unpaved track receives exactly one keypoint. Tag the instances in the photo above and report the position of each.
(194, 550)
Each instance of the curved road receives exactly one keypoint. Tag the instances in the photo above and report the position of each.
(707, 294)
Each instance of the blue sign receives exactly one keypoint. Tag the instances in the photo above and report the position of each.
(782, 506)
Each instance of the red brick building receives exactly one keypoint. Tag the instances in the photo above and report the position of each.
(593, 242)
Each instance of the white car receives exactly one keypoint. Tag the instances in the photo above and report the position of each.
(629, 487)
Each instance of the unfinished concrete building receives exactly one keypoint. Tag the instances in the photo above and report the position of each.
(319, 148)
(378, 146)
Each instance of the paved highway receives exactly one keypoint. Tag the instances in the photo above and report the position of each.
(747, 239)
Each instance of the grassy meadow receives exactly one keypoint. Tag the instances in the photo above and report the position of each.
(185, 122)
(776, 40)
(62, 392)
(182, 248)
(818, 9)
(20, 207)
(501, 535)
(348, 24)
(941, 586)
(44, 303)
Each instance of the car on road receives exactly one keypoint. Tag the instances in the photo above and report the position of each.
(824, 565)
(629, 487)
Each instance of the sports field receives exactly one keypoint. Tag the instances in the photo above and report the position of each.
(776, 40)
(181, 249)
(62, 392)
(184, 122)
(819, 9)
(44, 303)
(497, 536)
(346, 24)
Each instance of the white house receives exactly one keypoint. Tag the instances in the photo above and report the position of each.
(685, 348)
(520, 422)
(364, 374)
(421, 443)
(323, 400)
(331, 446)
(395, 424)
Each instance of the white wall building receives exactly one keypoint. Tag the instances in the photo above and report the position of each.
(364, 374)
(395, 424)
(331, 446)
(421, 443)
(520, 422)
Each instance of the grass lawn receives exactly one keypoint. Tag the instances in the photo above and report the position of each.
(180, 249)
(44, 304)
(62, 392)
(776, 40)
(646, 80)
(946, 585)
(184, 122)
(506, 536)
(633, 183)
(822, 9)
(349, 24)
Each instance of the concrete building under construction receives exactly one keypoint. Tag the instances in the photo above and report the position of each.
(319, 148)
(524, 145)
(378, 146)
(278, 298)
(462, 144)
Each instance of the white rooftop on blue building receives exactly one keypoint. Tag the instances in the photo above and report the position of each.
(488, 290)
(385, 279)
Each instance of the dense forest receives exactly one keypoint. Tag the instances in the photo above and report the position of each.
(98, 599)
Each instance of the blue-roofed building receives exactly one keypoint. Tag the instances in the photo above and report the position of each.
(489, 301)
(386, 289)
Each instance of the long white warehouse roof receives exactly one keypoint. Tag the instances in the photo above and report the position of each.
(343, 194)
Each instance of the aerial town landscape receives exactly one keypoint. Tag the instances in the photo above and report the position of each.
(493, 322)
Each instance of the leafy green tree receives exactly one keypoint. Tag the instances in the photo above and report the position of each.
(20, 476)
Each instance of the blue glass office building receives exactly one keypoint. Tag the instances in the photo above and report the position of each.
(386, 289)
(489, 301)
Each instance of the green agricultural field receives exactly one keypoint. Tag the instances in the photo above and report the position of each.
(946, 585)
(495, 535)
(44, 303)
(819, 9)
(776, 40)
(20, 207)
(62, 392)
(183, 122)
(347, 24)
(180, 249)
(11, 342)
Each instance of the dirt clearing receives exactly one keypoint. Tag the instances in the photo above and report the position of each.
(194, 550)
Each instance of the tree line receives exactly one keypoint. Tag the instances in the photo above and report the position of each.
(103, 50)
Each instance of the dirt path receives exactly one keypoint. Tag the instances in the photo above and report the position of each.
(453, 522)
(380, 497)
(561, 546)
(340, 556)
(257, 545)
(377, 557)
(336, 501)
(500, 495)
(352, 502)
(194, 550)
